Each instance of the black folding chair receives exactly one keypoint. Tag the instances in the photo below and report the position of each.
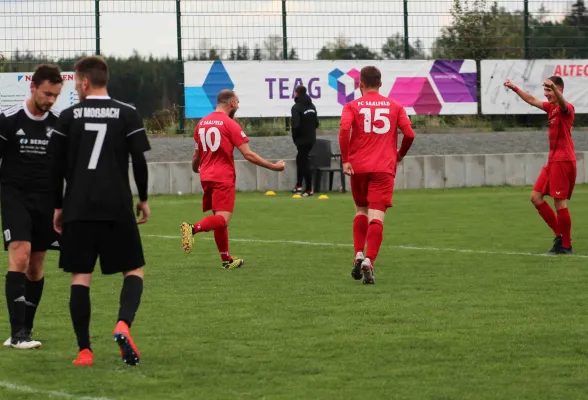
(321, 157)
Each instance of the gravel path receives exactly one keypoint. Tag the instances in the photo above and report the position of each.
(281, 147)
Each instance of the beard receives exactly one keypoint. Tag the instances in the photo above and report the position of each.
(232, 113)
(42, 107)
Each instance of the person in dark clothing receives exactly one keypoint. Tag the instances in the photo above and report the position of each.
(304, 124)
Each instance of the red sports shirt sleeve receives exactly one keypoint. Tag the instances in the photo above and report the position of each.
(236, 134)
(571, 110)
(345, 131)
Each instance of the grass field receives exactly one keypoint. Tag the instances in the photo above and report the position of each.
(464, 307)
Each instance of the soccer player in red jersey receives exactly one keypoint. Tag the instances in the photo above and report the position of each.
(216, 137)
(368, 139)
(558, 176)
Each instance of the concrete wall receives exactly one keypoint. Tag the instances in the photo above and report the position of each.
(417, 172)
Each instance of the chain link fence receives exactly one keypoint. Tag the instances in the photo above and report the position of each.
(147, 41)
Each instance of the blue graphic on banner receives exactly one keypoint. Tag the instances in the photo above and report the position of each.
(201, 100)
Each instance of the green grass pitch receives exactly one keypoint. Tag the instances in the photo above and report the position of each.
(464, 307)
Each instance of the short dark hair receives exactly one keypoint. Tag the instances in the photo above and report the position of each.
(94, 68)
(371, 77)
(47, 72)
(557, 81)
(300, 90)
(225, 96)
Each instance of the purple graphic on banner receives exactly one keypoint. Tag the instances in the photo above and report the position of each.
(454, 87)
(345, 84)
(416, 93)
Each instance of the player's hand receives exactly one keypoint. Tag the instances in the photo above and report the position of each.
(279, 166)
(549, 84)
(58, 221)
(509, 84)
(143, 206)
(400, 158)
(347, 169)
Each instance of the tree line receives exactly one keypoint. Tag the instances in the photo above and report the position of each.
(478, 31)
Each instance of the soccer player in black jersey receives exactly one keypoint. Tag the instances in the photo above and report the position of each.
(91, 144)
(26, 200)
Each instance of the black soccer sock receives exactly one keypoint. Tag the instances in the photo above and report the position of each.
(15, 300)
(130, 298)
(79, 307)
(33, 293)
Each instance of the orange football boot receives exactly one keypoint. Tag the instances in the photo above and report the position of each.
(128, 350)
(85, 357)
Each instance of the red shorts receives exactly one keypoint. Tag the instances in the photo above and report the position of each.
(218, 196)
(373, 190)
(557, 180)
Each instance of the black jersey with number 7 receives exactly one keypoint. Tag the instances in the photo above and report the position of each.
(91, 144)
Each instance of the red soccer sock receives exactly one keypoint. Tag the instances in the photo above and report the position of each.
(209, 223)
(360, 229)
(565, 223)
(375, 234)
(549, 217)
(221, 237)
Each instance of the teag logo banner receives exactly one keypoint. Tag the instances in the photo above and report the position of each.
(266, 88)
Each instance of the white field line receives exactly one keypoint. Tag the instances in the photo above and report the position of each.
(50, 393)
(417, 248)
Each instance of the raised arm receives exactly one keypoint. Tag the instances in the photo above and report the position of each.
(561, 101)
(527, 98)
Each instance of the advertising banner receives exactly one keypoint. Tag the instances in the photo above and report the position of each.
(266, 88)
(15, 87)
(529, 76)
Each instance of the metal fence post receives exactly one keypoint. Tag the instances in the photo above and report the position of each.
(97, 23)
(180, 72)
(285, 48)
(526, 27)
(406, 43)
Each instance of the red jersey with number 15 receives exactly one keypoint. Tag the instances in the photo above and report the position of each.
(374, 120)
(216, 137)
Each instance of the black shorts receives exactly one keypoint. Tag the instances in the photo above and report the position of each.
(116, 243)
(28, 217)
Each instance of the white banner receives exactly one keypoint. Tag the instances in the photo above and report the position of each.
(529, 76)
(266, 88)
(15, 87)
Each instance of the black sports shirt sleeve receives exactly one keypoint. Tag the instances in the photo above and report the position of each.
(138, 144)
(4, 133)
(58, 153)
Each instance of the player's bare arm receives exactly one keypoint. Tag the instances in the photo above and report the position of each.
(407, 137)
(344, 136)
(527, 97)
(58, 220)
(561, 101)
(195, 161)
(256, 159)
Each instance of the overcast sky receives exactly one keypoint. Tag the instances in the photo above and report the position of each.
(66, 27)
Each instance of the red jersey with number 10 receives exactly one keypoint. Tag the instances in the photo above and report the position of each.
(374, 120)
(216, 137)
